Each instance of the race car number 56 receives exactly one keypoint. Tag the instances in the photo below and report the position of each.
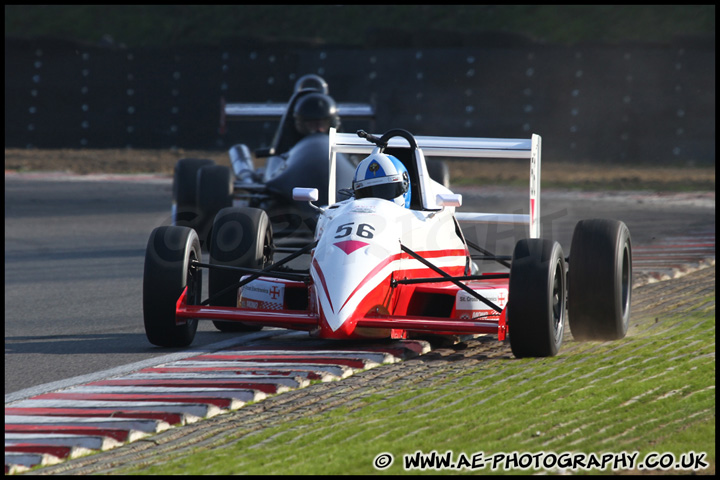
(364, 230)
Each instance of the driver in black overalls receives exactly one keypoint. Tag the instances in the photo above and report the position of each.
(313, 111)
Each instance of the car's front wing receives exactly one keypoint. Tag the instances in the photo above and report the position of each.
(440, 326)
(310, 321)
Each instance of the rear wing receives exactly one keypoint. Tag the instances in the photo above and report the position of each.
(461, 147)
(274, 111)
(279, 111)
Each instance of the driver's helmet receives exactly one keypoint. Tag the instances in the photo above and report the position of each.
(312, 82)
(315, 113)
(382, 176)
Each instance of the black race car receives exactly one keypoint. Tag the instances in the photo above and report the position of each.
(298, 155)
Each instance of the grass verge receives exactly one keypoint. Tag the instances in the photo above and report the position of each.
(584, 176)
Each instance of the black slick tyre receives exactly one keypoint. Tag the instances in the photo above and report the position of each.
(438, 171)
(170, 250)
(184, 190)
(242, 237)
(600, 280)
(214, 192)
(536, 298)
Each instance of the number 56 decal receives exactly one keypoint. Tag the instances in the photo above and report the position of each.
(364, 230)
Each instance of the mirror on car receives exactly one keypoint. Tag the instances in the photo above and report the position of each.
(449, 200)
(305, 194)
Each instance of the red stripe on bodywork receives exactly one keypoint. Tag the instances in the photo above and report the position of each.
(533, 220)
(400, 256)
(322, 281)
(370, 275)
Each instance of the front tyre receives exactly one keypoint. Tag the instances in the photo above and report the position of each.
(170, 251)
(242, 237)
(536, 298)
(600, 280)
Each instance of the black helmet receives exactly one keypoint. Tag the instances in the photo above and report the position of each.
(312, 82)
(315, 112)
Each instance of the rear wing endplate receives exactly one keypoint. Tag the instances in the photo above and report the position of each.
(461, 147)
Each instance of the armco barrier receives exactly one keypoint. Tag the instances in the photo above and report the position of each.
(628, 103)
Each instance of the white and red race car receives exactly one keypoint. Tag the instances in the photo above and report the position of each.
(379, 270)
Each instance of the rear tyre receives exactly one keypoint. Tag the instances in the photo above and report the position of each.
(600, 280)
(185, 211)
(170, 250)
(242, 237)
(214, 192)
(439, 171)
(536, 298)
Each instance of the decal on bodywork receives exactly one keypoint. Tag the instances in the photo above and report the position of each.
(262, 295)
(467, 306)
(363, 209)
(349, 246)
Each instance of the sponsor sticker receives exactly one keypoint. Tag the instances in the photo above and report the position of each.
(464, 301)
(262, 295)
(467, 306)
(363, 209)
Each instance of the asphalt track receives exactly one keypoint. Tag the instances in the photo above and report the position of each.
(74, 252)
(74, 255)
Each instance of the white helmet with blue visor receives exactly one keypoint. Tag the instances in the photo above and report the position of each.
(382, 176)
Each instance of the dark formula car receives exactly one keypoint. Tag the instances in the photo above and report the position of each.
(298, 155)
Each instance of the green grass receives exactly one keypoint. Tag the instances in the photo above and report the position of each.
(653, 391)
(668, 185)
(585, 176)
